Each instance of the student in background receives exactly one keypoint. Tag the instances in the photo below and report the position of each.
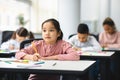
(52, 47)
(83, 41)
(18, 36)
(110, 38)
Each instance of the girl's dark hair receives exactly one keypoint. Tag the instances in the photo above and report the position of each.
(56, 25)
(22, 32)
(83, 28)
(31, 35)
(110, 22)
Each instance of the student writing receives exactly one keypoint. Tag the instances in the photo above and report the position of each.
(110, 38)
(83, 41)
(18, 36)
(52, 47)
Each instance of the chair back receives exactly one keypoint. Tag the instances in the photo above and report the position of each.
(6, 35)
(27, 42)
(91, 34)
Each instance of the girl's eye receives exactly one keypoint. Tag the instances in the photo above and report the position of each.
(44, 30)
(51, 30)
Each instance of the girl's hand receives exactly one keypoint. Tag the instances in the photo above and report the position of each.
(104, 45)
(77, 49)
(11, 47)
(35, 57)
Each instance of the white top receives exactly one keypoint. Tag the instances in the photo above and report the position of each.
(91, 44)
(13, 42)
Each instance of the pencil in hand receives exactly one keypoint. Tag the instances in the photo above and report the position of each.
(36, 54)
(34, 47)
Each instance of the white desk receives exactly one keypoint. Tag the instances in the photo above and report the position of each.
(62, 67)
(104, 54)
(7, 54)
(115, 62)
(104, 58)
(111, 49)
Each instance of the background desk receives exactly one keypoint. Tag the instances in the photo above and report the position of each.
(62, 67)
(111, 49)
(116, 63)
(104, 58)
(7, 54)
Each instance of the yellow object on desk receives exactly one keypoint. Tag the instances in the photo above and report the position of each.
(21, 61)
(2, 51)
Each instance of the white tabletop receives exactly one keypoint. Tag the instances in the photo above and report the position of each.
(80, 65)
(97, 53)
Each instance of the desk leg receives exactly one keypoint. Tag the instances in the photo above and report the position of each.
(76, 77)
(105, 71)
(116, 66)
(85, 77)
(10, 76)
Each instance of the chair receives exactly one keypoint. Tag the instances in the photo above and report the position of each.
(27, 42)
(95, 35)
(71, 35)
(6, 35)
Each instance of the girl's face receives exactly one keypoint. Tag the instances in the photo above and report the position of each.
(19, 38)
(49, 33)
(82, 37)
(108, 29)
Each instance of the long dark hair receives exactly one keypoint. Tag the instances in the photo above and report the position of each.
(56, 25)
(110, 22)
(22, 32)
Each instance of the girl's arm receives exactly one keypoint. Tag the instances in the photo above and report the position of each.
(27, 53)
(54, 57)
(68, 53)
(34, 57)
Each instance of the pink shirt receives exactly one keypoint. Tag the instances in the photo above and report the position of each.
(62, 49)
(113, 40)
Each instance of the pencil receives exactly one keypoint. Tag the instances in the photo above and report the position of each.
(54, 64)
(34, 47)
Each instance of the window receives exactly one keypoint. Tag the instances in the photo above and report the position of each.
(9, 12)
(34, 12)
(40, 11)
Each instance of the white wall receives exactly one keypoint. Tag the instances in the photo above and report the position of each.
(104, 11)
(95, 11)
(115, 12)
(89, 9)
(89, 13)
(69, 16)
(100, 9)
